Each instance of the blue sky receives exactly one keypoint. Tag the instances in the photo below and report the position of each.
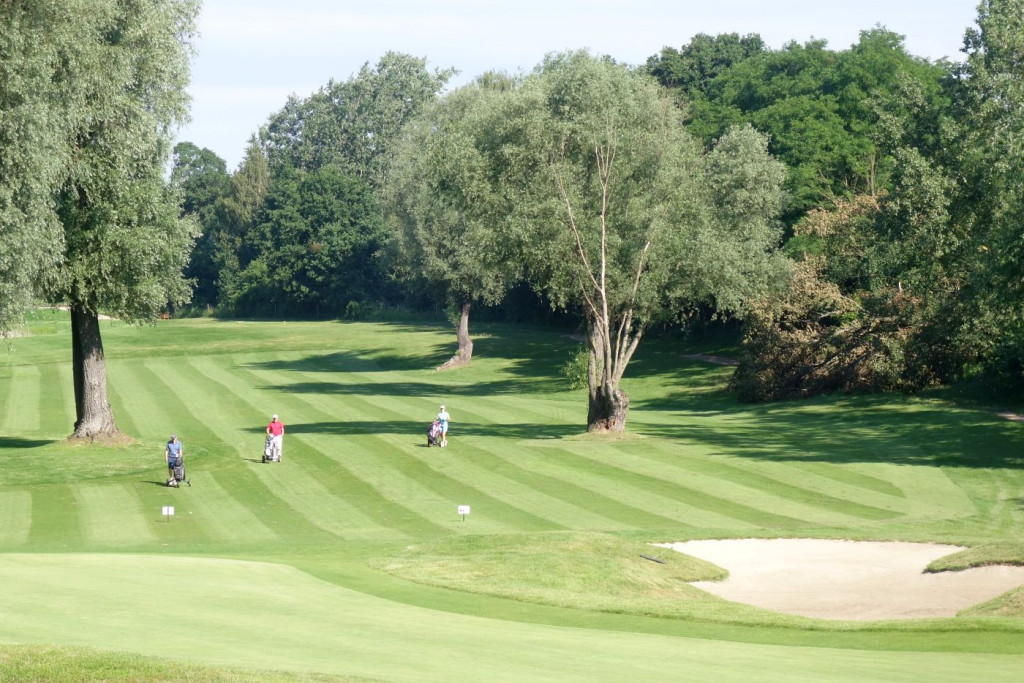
(251, 54)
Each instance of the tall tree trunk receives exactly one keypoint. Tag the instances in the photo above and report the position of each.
(608, 410)
(608, 405)
(95, 419)
(465, 352)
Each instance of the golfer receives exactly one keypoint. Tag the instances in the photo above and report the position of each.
(276, 431)
(172, 453)
(444, 418)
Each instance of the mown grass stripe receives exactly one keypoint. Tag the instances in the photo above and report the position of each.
(121, 406)
(929, 492)
(200, 433)
(385, 464)
(56, 522)
(368, 510)
(676, 491)
(56, 400)
(15, 518)
(147, 414)
(23, 410)
(845, 474)
(377, 461)
(271, 510)
(617, 513)
(548, 461)
(301, 489)
(751, 475)
(674, 471)
(112, 515)
(810, 480)
(221, 515)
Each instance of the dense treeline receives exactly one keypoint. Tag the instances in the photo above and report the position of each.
(892, 260)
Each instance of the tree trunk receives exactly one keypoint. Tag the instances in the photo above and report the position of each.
(95, 419)
(607, 411)
(465, 352)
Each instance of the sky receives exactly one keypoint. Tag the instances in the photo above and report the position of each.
(252, 54)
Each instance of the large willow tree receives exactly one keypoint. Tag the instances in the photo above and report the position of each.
(106, 88)
(447, 204)
(630, 221)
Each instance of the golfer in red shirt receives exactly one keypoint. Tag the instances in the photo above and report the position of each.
(276, 430)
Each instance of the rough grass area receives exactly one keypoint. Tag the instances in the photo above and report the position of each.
(580, 570)
(980, 556)
(1009, 604)
(20, 663)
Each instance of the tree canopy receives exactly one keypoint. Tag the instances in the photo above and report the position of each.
(626, 219)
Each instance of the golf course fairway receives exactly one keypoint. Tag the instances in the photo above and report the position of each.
(350, 559)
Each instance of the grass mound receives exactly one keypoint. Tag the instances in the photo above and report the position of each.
(581, 570)
(980, 556)
(1009, 604)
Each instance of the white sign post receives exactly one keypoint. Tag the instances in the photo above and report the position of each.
(463, 510)
(168, 512)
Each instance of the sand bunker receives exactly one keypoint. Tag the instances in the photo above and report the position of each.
(854, 580)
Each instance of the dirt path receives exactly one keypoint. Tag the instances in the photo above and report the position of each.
(854, 580)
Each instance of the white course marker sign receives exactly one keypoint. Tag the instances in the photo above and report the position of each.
(168, 512)
(463, 510)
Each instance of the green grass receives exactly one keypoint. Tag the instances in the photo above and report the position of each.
(349, 558)
(71, 664)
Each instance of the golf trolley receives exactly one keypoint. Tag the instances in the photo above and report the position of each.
(434, 433)
(271, 450)
(178, 473)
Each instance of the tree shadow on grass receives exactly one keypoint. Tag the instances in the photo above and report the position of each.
(535, 355)
(418, 429)
(366, 360)
(840, 430)
(16, 442)
(413, 389)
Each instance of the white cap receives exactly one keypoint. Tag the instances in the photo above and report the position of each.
(442, 407)
(273, 417)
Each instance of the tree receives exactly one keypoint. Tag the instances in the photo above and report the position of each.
(124, 243)
(313, 247)
(622, 214)
(202, 179)
(36, 38)
(353, 124)
(990, 103)
(448, 206)
(692, 68)
(815, 104)
(236, 214)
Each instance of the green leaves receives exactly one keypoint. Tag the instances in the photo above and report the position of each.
(90, 93)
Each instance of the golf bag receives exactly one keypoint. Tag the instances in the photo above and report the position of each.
(271, 452)
(433, 433)
(178, 473)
